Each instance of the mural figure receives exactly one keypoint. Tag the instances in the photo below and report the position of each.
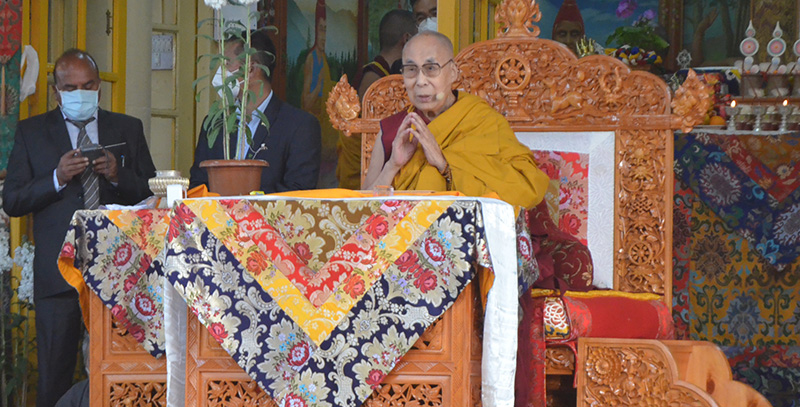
(568, 28)
(317, 83)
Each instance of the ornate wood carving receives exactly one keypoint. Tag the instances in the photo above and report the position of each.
(625, 372)
(237, 393)
(691, 102)
(515, 18)
(643, 262)
(121, 340)
(120, 371)
(430, 339)
(559, 360)
(539, 85)
(406, 394)
(137, 394)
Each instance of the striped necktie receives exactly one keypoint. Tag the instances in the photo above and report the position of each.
(89, 180)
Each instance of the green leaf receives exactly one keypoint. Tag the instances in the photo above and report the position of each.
(264, 121)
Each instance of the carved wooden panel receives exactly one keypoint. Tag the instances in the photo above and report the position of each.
(122, 341)
(540, 85)
(643, 261)
(560, 360)
(137, 394)
(628, 372)
(237, 393)
(120, 371)
(431, 339)
(401, 395)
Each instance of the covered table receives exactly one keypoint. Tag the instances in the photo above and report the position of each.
(316, 299)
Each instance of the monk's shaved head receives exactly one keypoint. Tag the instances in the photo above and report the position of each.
(441, 42)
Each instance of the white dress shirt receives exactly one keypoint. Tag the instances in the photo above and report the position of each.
(73, 130)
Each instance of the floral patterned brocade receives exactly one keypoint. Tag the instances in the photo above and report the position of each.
(326, 336)
(115, 250)
(737, 254)
(317, 300)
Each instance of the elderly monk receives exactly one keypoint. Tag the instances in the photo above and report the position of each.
(450, 140)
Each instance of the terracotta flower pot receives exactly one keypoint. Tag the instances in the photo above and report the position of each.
(233, 177)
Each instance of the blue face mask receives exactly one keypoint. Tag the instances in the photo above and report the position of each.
(79, 104)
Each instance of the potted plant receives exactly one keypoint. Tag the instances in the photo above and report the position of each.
(232, 175)
(638, 44)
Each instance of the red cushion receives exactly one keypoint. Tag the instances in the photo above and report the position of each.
(564, 262)
(619, 317)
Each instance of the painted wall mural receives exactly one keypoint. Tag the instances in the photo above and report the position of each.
(321, 45)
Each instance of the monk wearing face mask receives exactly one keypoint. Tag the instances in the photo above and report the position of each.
(568, 28)
(425, 12)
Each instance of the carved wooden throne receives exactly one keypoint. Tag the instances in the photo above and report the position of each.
(542, 88)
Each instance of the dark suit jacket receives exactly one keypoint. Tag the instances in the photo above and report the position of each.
(39, 143)
(293, 150)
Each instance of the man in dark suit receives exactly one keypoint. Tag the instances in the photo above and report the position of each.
(50, 177)
(290, 143)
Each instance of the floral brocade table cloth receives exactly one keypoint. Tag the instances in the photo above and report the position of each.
(111, 254)
(317, 300)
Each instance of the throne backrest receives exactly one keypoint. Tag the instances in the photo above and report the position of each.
(617, 122)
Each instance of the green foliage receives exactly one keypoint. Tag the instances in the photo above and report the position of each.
(16, 344)
(223, 113)
(643, 37)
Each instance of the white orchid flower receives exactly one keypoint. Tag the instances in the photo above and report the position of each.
(215, 4)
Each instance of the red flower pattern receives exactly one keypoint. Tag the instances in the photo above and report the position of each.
(299, 354)
(303, 251)
(377, 226)
(218, 331)
(434, 250)
(257, 262)
(570, 223)
(137, 332)
(375, 378)
(144, 305)
(123, 255)
(130, 282)
(406, 260)
(293, 400)
(426, 281)
(68, 251)
(354, 286)
(524, 246)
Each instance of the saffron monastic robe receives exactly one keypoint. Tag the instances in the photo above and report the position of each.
(484, 154)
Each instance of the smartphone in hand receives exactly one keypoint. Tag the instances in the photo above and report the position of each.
(92, 151)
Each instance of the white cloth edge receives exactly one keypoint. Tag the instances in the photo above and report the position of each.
(175, 344)
(499, 361)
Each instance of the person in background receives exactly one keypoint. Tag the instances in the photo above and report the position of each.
(50, 177)
(568, 28)
(396, 28)
(290, 143)
(448, 140)
(425, 14)
(317, 84)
